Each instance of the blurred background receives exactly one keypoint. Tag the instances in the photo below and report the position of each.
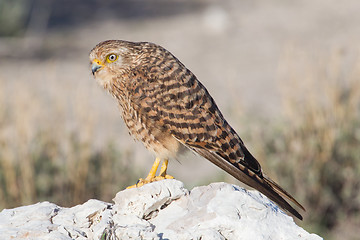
(286, 75)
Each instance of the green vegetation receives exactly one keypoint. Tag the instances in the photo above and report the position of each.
(13, 14)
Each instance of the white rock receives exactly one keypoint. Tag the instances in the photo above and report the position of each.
(160, 210)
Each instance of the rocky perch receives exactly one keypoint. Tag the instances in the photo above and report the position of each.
(159, 210)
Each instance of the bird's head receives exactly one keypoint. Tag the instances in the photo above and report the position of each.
(111, 58)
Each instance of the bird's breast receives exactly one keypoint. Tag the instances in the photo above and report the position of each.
(150, 132)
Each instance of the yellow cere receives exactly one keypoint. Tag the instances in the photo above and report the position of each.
(98, 62)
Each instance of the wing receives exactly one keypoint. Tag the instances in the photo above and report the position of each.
(178, 103)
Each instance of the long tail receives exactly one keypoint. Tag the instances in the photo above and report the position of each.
(256, 181)
(282, 192)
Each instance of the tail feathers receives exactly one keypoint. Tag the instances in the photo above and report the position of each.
(261, 183)
(282, 192)
(250, 159)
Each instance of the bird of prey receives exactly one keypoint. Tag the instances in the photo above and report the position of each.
(166, 107)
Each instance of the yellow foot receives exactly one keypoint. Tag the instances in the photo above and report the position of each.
(158, 178)
(141, 182)
(151, 176)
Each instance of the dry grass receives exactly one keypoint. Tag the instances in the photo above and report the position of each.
(324, 134)
(45, 156)
(313, 148)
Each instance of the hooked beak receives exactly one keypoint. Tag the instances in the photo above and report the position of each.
(95, 66)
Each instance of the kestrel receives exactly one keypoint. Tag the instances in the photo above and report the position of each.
(166, 107)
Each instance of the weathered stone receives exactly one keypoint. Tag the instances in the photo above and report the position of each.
(160, 210)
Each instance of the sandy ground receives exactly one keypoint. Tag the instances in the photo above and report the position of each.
(234, 48)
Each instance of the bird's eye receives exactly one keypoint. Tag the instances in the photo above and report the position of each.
(111, 58)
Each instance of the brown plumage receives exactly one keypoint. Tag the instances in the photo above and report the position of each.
(166, 107)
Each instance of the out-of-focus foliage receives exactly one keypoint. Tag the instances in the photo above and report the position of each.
(13, 15)
(44, 156)
(314, 148)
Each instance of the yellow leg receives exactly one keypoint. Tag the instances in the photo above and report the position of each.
(153, 170)
(163, 170)
(151, 176)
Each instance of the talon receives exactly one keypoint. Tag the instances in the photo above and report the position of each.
(132, 186)
(151, 176)
(169, 177)
(157, 178)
